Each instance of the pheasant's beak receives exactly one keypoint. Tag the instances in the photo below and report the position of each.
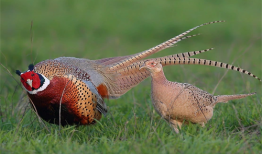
(142, 66)
(29, 82)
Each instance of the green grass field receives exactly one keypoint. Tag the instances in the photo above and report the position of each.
(100, 29)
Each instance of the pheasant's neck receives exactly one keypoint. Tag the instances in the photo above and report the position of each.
(158, 77)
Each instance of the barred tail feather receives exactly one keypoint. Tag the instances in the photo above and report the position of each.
(191, 53)
(136, 66)
(164, 45)
(170, 60)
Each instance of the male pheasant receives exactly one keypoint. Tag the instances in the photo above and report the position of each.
(71, 90)
(182, 102)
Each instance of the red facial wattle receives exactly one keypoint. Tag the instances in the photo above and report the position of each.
(34, 77)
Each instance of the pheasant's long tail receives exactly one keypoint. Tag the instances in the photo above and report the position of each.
(131, 69)
(171, 60)
(111, 60)
(226, 98)
(169, 43)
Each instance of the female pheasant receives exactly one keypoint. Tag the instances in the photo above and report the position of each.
(71, 90)
(182, 102)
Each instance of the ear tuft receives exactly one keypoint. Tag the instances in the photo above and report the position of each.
(18, 72)
(31, 67)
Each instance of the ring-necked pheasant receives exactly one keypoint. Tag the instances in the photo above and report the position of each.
(74, 88)
(182, 102)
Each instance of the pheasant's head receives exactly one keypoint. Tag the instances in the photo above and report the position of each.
(33, 82)
(152, 65)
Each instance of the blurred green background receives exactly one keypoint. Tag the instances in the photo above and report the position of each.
(99, 29)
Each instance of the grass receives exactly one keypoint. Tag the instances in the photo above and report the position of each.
(99, 29)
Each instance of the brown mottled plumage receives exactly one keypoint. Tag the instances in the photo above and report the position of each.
(182, 102)
(78, 86)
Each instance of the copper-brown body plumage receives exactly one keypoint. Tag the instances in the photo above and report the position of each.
(68, 92)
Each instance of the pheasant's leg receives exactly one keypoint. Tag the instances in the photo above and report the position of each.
(202, 124)
(175, 123)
